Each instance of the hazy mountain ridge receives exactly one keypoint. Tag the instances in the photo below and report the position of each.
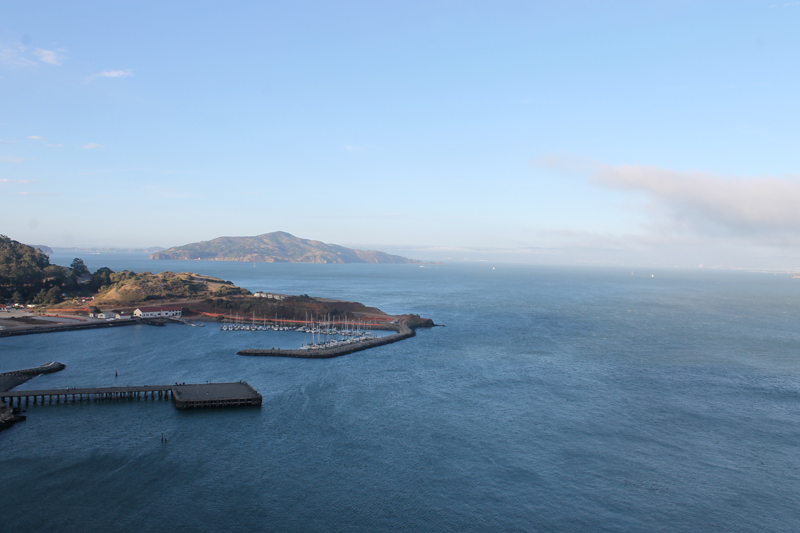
(42, 248)
(149, 250)
(276, 247)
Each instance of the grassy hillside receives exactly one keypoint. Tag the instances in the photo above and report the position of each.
(130, 288)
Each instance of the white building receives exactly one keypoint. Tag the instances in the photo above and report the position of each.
(158, 311)
(262, 294)
(108, 315)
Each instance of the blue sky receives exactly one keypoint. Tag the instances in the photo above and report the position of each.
(657, 133)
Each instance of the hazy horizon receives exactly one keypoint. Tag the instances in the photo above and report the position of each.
(571, 133)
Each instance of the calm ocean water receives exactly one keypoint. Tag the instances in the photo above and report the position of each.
(553, 400)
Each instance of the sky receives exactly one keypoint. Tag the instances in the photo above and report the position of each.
(613, 133)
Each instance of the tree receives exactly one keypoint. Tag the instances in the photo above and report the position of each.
(18, 298)
(78, 267)
(54, 296)
(101, 277)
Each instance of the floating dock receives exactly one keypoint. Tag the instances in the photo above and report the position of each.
(193, 396)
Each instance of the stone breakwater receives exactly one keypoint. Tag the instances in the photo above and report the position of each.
(403, 330)
(9, 380)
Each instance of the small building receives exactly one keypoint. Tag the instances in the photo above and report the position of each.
(158, 311)
(106, 315)
(262, 294)
(123, 316)
(3, 307)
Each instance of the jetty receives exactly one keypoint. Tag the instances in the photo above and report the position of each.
(192, 396)
(404, 331)
(15, 378)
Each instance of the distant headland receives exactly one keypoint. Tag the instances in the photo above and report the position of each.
(276, 247)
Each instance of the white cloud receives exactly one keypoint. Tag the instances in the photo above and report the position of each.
(763, 209)
(111, 74)
(92, 146)
(117, 73)
(6, 142)
(35, 137)
(14, 56)
(9, 159)
(19, 56)
(16, 182)
(50, 57)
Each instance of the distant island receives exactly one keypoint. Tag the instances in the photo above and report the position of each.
(276, 247)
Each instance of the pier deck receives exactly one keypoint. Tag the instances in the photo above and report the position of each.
(184, 396)
(214, 395)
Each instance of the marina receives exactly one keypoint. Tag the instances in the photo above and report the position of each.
(337, 348)
(323, 333)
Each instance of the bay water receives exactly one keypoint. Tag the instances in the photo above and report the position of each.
(553, 399)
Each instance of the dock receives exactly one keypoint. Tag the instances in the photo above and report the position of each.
(192, 396)
(214, 395)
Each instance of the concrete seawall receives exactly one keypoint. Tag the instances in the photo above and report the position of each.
(71, 327)
(403, 332)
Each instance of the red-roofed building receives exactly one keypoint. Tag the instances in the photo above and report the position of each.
(158, 311)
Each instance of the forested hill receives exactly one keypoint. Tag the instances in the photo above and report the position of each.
(276, 247)
(25, 271)
(27, 277)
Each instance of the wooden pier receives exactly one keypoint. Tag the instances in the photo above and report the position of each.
(184, 396)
